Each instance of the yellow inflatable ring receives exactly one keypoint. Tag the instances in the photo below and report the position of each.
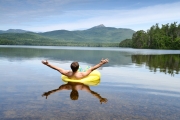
(92, 79)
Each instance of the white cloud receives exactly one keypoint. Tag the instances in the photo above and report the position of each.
(119, 18)
(50, 16)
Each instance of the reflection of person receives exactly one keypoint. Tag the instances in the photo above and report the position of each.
(75, 74)
(74, 93)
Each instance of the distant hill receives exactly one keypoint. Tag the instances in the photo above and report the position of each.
(1, 31)
(23, 39)
(13, 31)
(95, 36)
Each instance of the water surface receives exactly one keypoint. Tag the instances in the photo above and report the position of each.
(138, 84)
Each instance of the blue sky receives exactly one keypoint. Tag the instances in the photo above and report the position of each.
(48, 15)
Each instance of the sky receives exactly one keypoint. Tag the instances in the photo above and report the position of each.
(49, 15)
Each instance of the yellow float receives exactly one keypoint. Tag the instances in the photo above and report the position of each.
(92, 79)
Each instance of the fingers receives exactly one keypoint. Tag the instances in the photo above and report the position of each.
(105, 60)
(45, 62)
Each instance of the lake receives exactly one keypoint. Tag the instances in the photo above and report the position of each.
(138, 84)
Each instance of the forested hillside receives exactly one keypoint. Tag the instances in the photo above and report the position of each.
(13, 31)
(126, 43)
(165, 37)
(23, 39)
(99, 36)
(95, 34)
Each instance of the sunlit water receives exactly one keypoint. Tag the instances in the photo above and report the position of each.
(138, 84)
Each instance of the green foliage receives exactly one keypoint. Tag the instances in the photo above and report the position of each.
(126, 43)
(139, 39)
(166, 37)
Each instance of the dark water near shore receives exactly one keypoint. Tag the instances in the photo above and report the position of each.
(138, 84)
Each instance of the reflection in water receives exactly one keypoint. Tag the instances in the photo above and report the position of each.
(87, 56)
(74, 95)
(166, 63)
(126, 87)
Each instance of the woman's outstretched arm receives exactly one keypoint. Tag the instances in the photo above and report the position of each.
(62, 71)
(102, 62)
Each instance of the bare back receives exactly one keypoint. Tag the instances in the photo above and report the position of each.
(78, 75)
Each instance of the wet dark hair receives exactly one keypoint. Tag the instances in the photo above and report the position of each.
(74, 66)
(74, 95)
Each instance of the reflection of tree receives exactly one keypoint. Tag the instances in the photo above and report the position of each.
(88, 56)
(74, 93)
(166, 63)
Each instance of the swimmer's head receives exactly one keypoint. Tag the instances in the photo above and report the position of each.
(74, 66)
(74, 95)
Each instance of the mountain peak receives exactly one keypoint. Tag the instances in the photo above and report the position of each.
(99, 26)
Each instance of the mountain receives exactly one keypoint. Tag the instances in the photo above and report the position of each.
(13, 31)
(98, 33)
(95, 36)
(1, 31)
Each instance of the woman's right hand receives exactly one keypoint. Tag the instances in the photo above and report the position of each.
(104, 61)
(45, 62)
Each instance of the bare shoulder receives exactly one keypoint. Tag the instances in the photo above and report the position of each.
(84, 74)
(68, 73)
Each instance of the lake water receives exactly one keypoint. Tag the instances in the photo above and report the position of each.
(138, 84)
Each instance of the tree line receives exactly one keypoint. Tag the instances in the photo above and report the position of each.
(165, 37)
(34, 39)
(55, 43)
